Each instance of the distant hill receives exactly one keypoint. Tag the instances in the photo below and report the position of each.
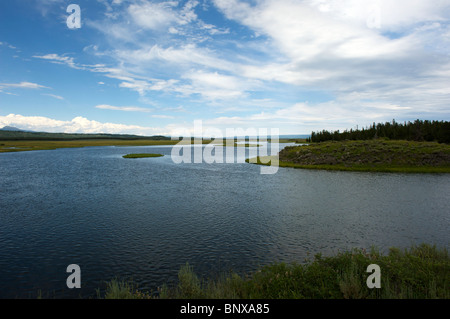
(10, 128)
(14, 134)
(295, 136)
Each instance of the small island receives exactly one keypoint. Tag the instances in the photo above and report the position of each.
(142, 155)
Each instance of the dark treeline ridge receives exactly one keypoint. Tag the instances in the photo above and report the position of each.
(418, 130)
(37, 136)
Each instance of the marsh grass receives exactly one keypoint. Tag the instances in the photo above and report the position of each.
(121, 289)
(420, 272)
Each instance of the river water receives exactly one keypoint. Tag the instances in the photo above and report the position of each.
(141, 219)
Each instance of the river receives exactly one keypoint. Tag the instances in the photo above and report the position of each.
(141, 219)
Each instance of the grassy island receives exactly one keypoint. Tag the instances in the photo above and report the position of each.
(142, 155)
(378, 155)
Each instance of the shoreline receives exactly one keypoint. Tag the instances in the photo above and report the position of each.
(388, 156)
(343, 275)
(39, 145)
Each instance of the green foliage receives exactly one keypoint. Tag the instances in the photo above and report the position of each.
(419, 272)
(189, 285)
(38, 136)
(413, 131)
(116, 289)
(373, 155)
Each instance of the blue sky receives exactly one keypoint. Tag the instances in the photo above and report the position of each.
(154, 67)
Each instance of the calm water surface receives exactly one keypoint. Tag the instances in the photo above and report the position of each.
(141, 219)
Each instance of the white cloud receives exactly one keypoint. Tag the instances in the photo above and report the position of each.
(303, 33)
(185, 56)
(123, 108)
(55, 58)
(216, 86)
(153, 15)
(23, 85)
(8, 93)
(144, 86)
(391, 15)
(10, 46)
(54, 96)
(157, 16)
(160, 116)
(328, 46)
(76, 125)
(372, 60)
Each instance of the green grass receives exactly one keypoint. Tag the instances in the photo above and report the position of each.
(143, 155)
(368, 156)
(420, 272)
(29, 145)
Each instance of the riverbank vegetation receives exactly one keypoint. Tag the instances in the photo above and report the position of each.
(19, 135)
(35, 145)
(418, 130)
(371, 155)
(418, 272)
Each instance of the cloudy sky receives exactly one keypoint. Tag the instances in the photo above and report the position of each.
(153, 67)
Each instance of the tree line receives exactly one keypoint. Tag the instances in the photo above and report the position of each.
(418, 130)
(44, 136)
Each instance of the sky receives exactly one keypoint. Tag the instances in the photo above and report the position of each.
(154, 67)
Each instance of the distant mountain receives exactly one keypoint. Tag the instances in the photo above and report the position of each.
(11, 128)
(9, 133)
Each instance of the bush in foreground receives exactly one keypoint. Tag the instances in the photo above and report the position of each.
(419, 272)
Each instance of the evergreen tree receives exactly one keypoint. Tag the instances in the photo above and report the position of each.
(418, 130)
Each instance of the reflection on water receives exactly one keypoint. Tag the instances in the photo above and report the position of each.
(142, 219)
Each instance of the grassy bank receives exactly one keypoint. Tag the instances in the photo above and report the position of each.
(35, 145)
(372, 155)
(418, 272)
